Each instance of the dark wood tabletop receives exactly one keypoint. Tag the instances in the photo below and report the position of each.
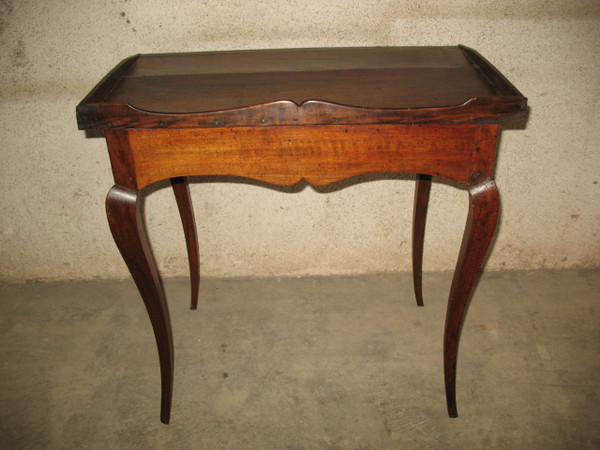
(301, 86)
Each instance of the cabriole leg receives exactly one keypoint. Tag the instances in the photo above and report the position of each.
(422, 189)
(484, 203)
(186, 212)
(127, 225)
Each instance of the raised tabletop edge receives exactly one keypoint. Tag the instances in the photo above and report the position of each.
(490, 72)
(96, 112)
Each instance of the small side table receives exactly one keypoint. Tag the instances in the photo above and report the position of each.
(282, 116)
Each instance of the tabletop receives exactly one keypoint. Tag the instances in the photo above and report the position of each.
(301, 86)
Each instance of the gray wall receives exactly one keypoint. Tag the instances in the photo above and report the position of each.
(54, 179)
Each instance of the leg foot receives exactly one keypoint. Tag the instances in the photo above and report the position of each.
(127, 225)
(422, 190)
(186, 212)
(481, 223)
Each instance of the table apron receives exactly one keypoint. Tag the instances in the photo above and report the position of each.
(285, 155)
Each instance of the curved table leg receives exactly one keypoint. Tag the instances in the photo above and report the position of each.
(186, 212)
(419, 217)
(127, 225)
(481, 223)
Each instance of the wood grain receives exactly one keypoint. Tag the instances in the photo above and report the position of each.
(126, 221)
(286, 155)
(301, 87)
(422, 190)
(484, 203)
(183, 197)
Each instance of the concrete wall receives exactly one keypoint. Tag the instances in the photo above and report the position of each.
(54, 179)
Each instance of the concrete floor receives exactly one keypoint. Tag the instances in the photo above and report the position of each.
(303, 363)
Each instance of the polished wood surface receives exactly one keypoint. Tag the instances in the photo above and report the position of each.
(481, 223)
(301, 87)
(286, 155)
(181, 189)
(126, 221)
(282, 116)
(422, 190)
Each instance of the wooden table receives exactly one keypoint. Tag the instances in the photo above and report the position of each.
(282, 116)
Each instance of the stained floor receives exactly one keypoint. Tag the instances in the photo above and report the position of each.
(335, 362)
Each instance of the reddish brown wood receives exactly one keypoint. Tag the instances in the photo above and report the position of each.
(484, 203)
(301, 87)
(286, 155)
(127, 225)
(484, 152)
(186, 211)
(281, 116)
(422, 189)
(310, 112)
(121, 158)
